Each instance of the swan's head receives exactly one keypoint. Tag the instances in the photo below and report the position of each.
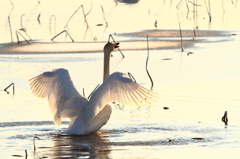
(109, 47)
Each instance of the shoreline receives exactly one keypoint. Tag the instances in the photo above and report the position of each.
(128, 41)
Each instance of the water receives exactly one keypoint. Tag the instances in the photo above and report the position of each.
(197, 88)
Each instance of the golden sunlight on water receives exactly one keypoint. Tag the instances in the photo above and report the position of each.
(196, 103)
(42, 21)
(195, 87)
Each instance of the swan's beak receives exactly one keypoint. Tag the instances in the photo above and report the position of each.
(115, 45)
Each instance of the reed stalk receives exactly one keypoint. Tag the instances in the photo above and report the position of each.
(10, 27)
(38, 18)
(83, 92)
(147, 65)
(208, 10)
(26, 154)
(50, 24)
(104, 17)
(131, 76)
(93, 91)
(85, 15)
(12, 84)
(22, 37)
(24, 29)
(61, 33)
(181, 37)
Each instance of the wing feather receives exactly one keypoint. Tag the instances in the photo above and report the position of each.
(120, 88)
(64, 100)
(134, 96)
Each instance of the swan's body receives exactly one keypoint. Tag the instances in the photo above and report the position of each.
(88, 116)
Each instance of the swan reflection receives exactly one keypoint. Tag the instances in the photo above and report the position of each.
(72, 146)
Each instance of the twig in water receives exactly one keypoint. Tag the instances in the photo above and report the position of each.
(147, 64)
(10, 12)
(50, 24)
(195, 20)
(85, 34)
(22, 36)
(89, 9)
(83, 92)
(194, 34)
(225, 118)
(104, 16)
(11, 8)
(61, 33)
(177, 6)
(223, 10)
(155, 24)
(131, 76)
(187, 9)
(12, 84)
(24, 29)
(93, 91)
(208, 10)
(34, 142)
(193, 3)
(181, 37)
(85, 15)
(38, 18)
(10, 28)
(110, 36)
(210, 13)
(26, 154)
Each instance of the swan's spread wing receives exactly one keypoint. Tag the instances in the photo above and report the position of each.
(119, 88)
(64, 100)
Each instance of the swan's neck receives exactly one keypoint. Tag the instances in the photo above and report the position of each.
(106, 65)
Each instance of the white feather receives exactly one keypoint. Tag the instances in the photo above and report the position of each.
(118, 88)
(64, 100)
(88, 116)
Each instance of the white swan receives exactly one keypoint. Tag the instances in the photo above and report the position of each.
(88, 116)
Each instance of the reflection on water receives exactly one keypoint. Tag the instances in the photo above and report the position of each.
(197, 85)
(93, 145)
(125, 140)
(42, 21)
(197, 88)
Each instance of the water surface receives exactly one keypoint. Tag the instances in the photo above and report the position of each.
(197, 85)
